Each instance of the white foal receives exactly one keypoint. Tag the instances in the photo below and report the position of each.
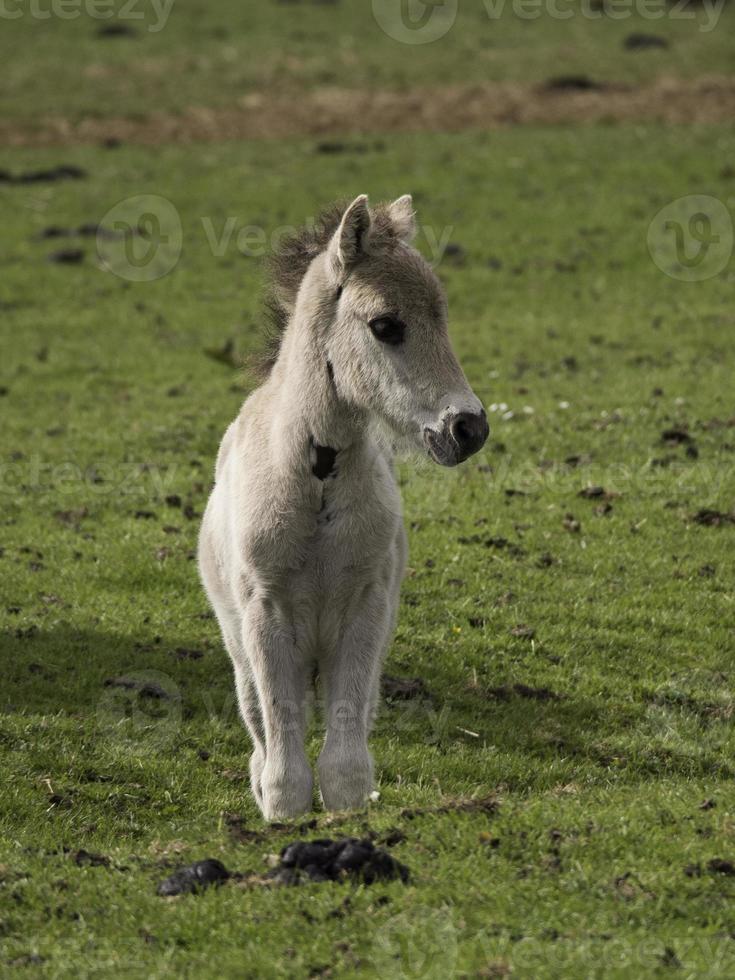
(302, 546)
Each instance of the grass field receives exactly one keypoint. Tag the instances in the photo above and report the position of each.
(218, 57)
(560, 785)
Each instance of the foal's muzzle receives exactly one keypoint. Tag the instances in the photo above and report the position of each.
(461, 435)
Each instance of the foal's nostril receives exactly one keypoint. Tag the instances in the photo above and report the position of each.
(462, 431)
(469, 431)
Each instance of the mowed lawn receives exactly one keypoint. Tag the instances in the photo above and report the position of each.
(562, 779)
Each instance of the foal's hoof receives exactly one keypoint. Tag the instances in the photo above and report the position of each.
(257, 762)
(346, 785)
(286, 797)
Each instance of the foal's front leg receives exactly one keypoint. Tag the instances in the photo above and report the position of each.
(350, 675)
(280, 674)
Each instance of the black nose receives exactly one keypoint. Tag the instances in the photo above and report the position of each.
(469, 431)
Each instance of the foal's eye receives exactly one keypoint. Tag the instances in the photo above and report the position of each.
(388, 329)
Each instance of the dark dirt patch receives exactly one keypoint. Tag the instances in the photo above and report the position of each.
(225, 354)
(87, 859)
(675, 437)
(240, 832)
(336, 147)
(643, 42)
(571, 83)
(403, 688)
(184, 653)
(508, 691)
(578, 459)
(487, 804)
(87, 230)
(62, 172)
(71, 518)
(596, 493)
(629, 887)
(712, 518)
(455, 253)
(392, 837)
(146, 689)
(720, 866)
(67, 256)
(523, 631)
(497, 542)
(116, 30)
(546, 561)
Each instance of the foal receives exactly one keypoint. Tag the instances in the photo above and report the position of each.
(302, 546)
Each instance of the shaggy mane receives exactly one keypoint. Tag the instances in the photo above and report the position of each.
(286, 267)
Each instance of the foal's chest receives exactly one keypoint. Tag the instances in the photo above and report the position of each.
(357, 517)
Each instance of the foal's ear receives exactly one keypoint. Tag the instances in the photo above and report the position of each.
(350, 239)
(403, 217)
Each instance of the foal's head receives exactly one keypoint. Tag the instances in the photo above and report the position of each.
(385, 333)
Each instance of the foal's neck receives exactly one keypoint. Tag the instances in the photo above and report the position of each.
(308, 407)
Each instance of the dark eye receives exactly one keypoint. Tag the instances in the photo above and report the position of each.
(388, 329)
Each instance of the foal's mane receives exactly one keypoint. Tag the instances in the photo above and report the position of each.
(287, 266)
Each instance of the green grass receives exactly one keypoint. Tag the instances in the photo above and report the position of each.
(215, 57)
(110, 405)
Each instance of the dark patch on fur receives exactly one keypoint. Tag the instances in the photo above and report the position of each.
(326, 458)
(286, 268)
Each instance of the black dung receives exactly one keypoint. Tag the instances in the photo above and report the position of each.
(194, 878)
(335, 860)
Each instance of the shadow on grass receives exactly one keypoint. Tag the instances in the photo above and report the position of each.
(611, 739)
(77, 671)
(117, 681)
